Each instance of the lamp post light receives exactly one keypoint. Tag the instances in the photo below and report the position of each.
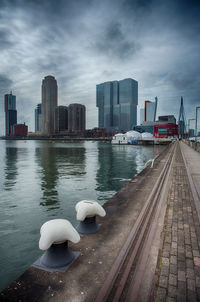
(198, 107)
(190, 119)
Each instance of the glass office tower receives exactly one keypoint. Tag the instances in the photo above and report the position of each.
(10, 113)
(117, 102)
(38, 118)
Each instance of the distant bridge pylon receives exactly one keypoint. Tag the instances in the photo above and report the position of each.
(182, 120)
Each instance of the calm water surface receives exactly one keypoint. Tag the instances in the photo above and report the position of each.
(41, 180)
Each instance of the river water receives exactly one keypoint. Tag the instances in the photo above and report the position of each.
(43, 180)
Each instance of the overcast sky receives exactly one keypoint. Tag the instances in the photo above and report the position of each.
(86, 42)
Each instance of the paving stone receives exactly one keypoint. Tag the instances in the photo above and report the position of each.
(166, 254)
(173, 260)
(191, 284)
(174, 245)
(181, 249)
(181, 265)
(164, 270)
(181, 276)
(196, 253)
(172, 279)
(197, 271)
(197, 261)
(163, 281)
(172, 291)
(191, 296)
(189, 263)
(181, 256)
(165, 261)
(188, 255)
(161, 294)
(173, 269)
(190, 273)
(198, 293)
(181, 298)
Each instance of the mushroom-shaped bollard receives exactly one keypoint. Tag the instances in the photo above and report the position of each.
(54, 240)
(86, 214)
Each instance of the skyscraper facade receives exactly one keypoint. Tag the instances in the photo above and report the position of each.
(76, 117)
(117, 102)
(61, 118)
(150, 109)
(141, 115)
(10, 113)
(38, 118)
(49, 103)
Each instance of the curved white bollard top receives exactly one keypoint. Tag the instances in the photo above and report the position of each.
(88, 208)
(57, 231)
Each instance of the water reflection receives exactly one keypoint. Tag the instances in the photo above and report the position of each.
(46, 158)
(57, 166)
(116, 166)
(11, 171)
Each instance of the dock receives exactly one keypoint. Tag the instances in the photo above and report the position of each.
(148, 247)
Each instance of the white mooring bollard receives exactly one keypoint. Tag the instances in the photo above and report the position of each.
(55, 235)
(86, 214)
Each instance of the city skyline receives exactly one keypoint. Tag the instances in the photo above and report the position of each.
(82, 44)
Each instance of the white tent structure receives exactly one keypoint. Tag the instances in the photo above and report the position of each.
(147, 136)
(133, 136)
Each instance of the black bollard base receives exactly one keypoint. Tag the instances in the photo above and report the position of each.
(88, 226)
(57, 258)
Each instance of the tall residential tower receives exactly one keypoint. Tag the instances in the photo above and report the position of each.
(76, 117)
(117, 102)
(10, 113)
(49, 103)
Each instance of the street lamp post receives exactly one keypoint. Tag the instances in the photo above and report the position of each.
(190, 119)
(198, 107)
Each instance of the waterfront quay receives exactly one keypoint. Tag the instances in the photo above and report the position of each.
(148, 247)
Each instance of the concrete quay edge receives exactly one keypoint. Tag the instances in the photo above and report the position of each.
(85, 277)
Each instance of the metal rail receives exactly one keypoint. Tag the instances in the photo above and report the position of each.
(124, 279)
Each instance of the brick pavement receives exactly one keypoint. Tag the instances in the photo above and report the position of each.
(178, 271)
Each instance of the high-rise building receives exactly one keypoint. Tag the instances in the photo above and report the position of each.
(10, 113)
(61, 118)
(76, 117)
(49, 103)
(141, 115)
(117, 102)
(38, 118)
(150, 109)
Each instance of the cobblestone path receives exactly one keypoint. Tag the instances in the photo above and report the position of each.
(179, 262)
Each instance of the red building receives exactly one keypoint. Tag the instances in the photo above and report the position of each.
(20, 130)
(164, 130)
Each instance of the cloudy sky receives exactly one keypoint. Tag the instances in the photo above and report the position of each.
(86, 42)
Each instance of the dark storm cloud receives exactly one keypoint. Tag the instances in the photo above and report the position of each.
(113, 42)
(5, 39)
(5, 83)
